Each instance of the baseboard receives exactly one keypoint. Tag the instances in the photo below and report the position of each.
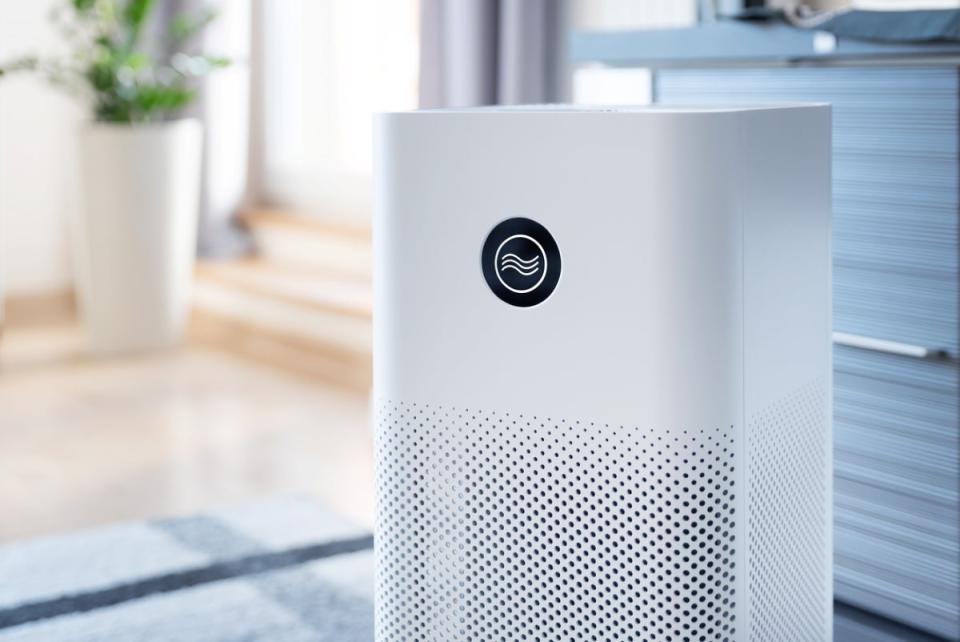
(42, 308)
(300, 222)
(330, 363)
(305, 242)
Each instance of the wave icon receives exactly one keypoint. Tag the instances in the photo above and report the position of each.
(526, 267)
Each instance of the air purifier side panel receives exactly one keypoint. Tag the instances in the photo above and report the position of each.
(787, 385)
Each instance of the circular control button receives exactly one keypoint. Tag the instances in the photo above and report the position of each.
(521, 262)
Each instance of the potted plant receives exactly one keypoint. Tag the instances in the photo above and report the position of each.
(134, 239)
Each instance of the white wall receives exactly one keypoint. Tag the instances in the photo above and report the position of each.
(600, 85)
(37, 159)
(906, 4)
(326, 68)
(633, 14)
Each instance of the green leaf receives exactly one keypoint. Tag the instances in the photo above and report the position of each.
(185, 26)
(196, 66)
(218, 62)
(151, 99)
(134, 16)
(125, 83)
(82, 6)
(137, 60)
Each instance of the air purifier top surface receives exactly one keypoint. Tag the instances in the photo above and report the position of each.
(616, 109)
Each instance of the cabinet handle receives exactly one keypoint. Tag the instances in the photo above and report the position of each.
(888, 347)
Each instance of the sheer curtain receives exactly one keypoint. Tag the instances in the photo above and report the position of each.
(223, 106)
(325, 69)
(488, 52)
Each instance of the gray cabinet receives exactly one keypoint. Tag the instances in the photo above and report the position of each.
(896, 203)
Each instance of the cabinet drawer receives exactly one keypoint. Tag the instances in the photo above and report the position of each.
(896, 492)
(870, 573)
(897, 427)
(906, 307)
(907, 237)
(927, 525)
(913, 380)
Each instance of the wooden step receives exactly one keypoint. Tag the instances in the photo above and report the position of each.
(306, 321)
(313, 288)
(307, 242)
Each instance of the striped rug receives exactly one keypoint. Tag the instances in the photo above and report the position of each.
(279, 570)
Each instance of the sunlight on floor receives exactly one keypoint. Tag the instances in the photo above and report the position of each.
(85, 442)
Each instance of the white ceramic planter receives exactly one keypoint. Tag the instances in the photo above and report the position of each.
(135, 236)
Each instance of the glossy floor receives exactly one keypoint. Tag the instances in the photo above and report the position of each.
(86, 441)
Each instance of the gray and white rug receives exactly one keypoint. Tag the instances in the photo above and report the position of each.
(279, 570)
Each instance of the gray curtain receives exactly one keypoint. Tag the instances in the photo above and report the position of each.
(223, 106)
(492, 52)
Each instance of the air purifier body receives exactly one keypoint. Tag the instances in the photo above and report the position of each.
(602, 374)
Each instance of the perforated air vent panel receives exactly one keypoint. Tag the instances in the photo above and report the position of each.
(788, 529)
(494, 526)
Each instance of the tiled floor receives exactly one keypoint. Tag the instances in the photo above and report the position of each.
(85, 442)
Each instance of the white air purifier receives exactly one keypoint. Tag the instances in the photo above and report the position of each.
(602, 374)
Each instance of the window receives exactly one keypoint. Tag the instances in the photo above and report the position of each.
(623, 85)
(326, 68)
